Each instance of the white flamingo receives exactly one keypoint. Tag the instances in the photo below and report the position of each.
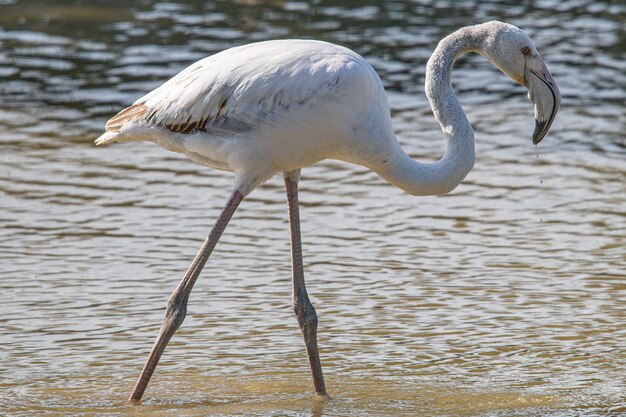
(277, 106)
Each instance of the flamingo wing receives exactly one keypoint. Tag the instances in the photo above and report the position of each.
(243, 89)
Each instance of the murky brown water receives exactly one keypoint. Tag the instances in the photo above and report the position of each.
(505, 298)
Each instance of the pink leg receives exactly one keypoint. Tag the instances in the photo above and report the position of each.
(177, 304)
(307, 318)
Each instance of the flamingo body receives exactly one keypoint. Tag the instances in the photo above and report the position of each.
(265, 108)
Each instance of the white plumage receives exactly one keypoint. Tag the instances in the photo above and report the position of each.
(278, 106)
(263, 108)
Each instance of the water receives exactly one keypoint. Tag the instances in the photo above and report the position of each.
(505, 298)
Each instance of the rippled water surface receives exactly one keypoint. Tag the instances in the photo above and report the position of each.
(505, 298)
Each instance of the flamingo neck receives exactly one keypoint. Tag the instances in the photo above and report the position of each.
(444, 175)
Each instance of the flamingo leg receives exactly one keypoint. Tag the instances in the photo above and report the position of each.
(305, 313)
(177, 304)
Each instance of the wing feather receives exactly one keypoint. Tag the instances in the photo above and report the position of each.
(243, 88)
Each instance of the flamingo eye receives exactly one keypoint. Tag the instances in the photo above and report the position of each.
(526, 50)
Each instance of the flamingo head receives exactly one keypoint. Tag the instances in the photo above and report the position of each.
(512, 51)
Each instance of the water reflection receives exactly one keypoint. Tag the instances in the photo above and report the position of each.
(504, 298)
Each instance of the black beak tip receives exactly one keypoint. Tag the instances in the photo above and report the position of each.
(540, 131)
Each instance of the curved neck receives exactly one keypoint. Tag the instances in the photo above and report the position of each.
(444, 175)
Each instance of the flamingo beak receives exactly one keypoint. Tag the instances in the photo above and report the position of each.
(544, 93)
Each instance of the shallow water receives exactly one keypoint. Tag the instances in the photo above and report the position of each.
(505, 298)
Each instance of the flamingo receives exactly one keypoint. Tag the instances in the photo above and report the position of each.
(277, 106)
